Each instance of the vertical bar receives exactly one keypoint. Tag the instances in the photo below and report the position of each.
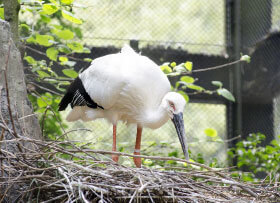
(237, 80)
(233, 39)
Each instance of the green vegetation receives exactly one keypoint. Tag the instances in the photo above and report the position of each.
(50, 120)
(254, 158)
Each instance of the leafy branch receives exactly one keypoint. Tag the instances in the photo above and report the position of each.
(187, 82)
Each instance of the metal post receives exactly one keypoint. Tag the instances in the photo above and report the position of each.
(237, 79)
(233, 39)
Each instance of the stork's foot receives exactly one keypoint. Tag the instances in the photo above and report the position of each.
(115, 158)
(137, 160)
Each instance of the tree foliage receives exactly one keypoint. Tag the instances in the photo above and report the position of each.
(254, 159)
(53, 26)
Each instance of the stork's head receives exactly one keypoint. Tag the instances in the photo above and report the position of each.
(174, 104)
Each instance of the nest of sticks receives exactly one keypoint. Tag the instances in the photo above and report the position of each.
(60, 171)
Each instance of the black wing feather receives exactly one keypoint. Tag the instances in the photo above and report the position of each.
(76, 95)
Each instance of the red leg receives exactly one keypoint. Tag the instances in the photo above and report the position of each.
(137, 160)
(114, 148)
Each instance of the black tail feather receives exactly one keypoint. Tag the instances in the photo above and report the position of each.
(76, 95)
(65, 101)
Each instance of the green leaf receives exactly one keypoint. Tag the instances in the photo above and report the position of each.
(67, 2)
(63, 48)
(88, 59)
(41, 102)
(24, 30)
(42, 74)
(166, 69)
(86, 50)
(78, 32)
(195, 87)
(187, 79)
(226, 94)
(179, 69)
(2, 13)
(76, 47)
(70, 73)
(173, 64)
(189, 65)
(52, 53)
(53, 1)
(45, 18)
(31, 40)
(50, 9)
(44, 40)
(217, 83)
(211, 132)
(63, 59)
(63, 34)
(30, 60)
(70, 17)
(184, 94)
(69, 63)
(245, 58)
(44, 100)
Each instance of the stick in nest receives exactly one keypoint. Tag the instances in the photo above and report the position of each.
(82, 178)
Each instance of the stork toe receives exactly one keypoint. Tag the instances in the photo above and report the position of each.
(137, 160)
(115, 158)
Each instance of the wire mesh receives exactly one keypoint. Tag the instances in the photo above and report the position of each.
(275, 15)
(197, 26)
(191, 25)
(260, 78)
(164, 140)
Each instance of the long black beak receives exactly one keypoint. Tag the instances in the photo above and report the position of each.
(179, 125)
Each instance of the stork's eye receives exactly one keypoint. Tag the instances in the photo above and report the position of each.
(172, 105)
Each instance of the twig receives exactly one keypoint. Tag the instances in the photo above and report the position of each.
(55, 198)
(42, 53)
(212, 68)
(83, 168)
(174, 159)
(52, 110)
(84, 179)
(44, 88)
(43, 120)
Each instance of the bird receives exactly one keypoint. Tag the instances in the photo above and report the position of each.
(128, 87)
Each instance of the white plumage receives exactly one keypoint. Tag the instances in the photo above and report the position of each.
(127, 87)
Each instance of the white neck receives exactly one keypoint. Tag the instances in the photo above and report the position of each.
(155, 118)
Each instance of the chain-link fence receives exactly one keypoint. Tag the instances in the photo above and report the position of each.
(188, 25)
(260, 25)
(164, 140)
(195, 26)
(202, 29)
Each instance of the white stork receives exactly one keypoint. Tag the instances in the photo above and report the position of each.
(126, 87)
